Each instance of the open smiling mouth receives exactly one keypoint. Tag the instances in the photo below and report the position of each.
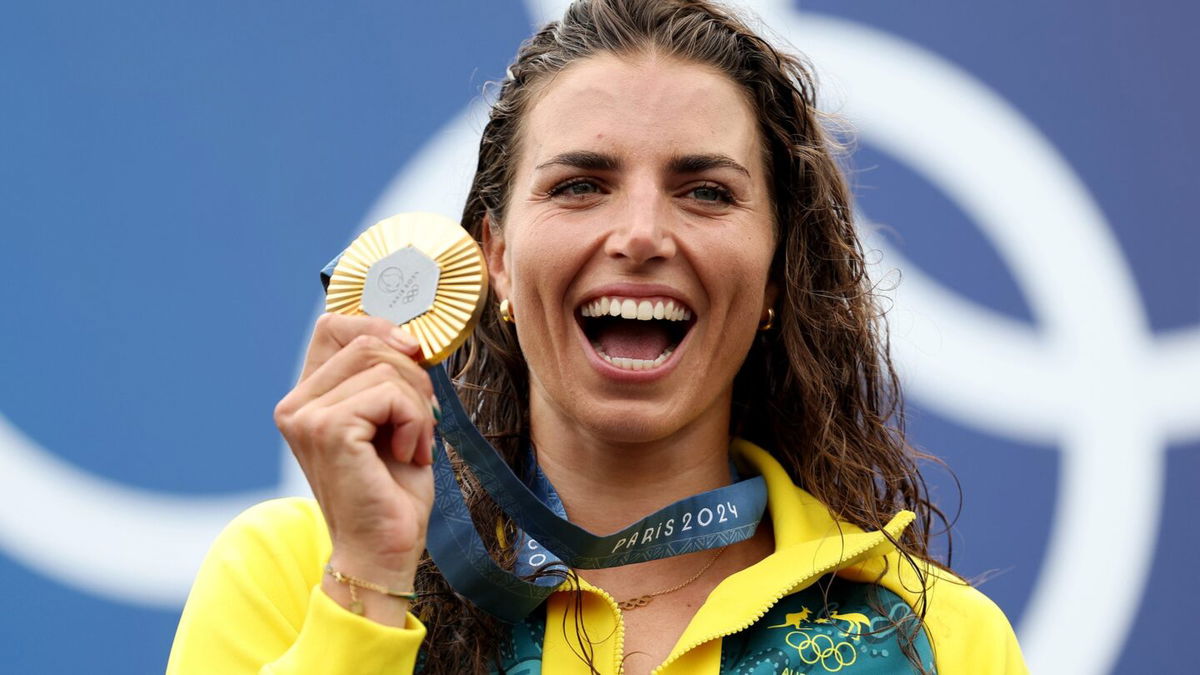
(634, 333)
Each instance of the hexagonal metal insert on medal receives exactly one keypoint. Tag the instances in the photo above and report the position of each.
(401, 286)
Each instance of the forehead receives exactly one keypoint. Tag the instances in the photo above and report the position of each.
(642, 105)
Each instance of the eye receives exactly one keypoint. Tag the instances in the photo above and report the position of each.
(575, 188)
(711, 193)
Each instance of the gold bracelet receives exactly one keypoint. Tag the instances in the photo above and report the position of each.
(355, 583)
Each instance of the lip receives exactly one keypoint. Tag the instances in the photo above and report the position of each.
(628, 290)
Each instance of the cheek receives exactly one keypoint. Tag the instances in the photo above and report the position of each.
(541, 265)
(748, 265)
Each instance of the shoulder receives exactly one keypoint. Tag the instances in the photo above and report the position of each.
(968, 631)
(277, 536)
(252, 592)
(951, 597)
(292, 521)
(287, 517)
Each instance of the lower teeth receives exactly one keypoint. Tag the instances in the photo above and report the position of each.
(633, 364)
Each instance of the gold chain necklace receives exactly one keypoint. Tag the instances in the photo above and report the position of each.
(643, 600)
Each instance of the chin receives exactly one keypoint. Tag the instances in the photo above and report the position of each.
(634, 422)
(630, 429)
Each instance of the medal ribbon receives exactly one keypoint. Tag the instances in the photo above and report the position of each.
(708, 520)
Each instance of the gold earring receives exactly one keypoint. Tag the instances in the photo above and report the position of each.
(506, 311)
(769, 322)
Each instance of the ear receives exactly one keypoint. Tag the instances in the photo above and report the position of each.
(493, 250)
(770, 295)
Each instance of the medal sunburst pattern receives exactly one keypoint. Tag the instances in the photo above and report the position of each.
(462, 283)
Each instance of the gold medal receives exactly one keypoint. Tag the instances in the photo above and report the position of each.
(419, 270)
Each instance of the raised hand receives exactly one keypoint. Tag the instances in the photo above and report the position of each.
(360, 422)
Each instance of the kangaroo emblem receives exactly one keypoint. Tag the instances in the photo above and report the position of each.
(856, 621)
(794, 619)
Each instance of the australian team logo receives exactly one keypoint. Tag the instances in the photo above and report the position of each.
(831, 651)
(840, 626)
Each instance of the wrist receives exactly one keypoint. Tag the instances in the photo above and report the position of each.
(390, 568)
(379, 592)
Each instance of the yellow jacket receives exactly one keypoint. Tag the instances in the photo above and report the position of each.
(257, 606)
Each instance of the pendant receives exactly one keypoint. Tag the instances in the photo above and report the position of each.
(635, 602)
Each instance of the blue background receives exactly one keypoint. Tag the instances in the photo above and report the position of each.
(172, 176)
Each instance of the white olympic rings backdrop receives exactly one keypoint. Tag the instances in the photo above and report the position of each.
(1089, 379)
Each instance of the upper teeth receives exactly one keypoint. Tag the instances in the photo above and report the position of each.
(642, 310)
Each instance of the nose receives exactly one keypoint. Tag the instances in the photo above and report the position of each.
(643, 231)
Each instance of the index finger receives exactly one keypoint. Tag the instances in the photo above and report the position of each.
(334, 331)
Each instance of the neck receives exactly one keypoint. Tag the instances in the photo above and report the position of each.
(606, 484)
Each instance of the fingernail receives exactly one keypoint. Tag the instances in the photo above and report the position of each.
(437, 409)
(404, 338)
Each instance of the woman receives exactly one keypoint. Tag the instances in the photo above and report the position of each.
(681, 286)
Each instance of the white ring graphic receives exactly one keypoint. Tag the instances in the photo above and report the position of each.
(126, 544)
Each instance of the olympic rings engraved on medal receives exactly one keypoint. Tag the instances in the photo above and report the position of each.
(393, 280)
(833, 656)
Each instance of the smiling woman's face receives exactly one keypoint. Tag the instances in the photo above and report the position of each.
(639, 194)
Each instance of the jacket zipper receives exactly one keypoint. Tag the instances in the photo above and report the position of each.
(619, 654)
(619, 658)
(848, 560)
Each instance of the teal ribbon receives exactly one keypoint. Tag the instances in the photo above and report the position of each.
(548, 540)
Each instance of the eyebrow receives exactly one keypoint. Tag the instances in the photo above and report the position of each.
(702, 163)
(583, 159)
(685, 164)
